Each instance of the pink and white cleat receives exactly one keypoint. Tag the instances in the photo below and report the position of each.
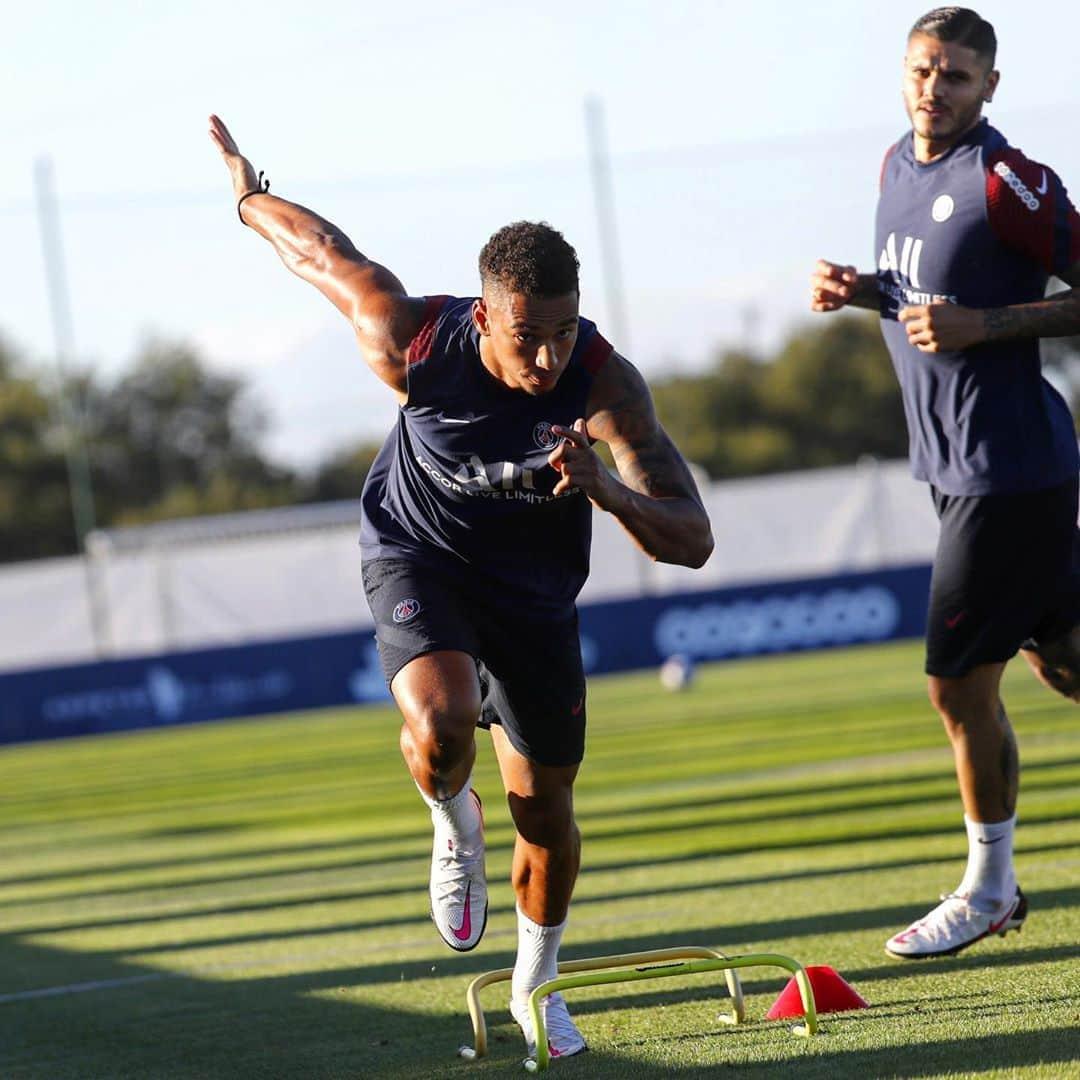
(564, 1039)
(459, 898)
(954, 925)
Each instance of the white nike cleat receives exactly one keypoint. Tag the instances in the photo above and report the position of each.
(564, 1039)
(459, 898)
(954, 925)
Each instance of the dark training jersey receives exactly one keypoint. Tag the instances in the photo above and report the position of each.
(463, 481)
(984, 227)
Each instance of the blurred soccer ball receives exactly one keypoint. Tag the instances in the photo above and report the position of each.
(677, 672)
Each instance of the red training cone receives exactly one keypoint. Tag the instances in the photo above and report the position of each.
(831, 994)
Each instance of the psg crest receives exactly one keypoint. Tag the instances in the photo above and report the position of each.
(406, 609)
(544, 437)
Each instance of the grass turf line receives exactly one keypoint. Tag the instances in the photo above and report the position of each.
(249, 899)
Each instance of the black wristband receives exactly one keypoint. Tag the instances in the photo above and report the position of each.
(261, 189)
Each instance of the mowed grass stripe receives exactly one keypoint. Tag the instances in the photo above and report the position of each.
(220, 857)
(288, 808)
(331, 739)
(274, 872)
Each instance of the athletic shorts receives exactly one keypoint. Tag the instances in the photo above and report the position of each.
(1006, 576)
(532, 681)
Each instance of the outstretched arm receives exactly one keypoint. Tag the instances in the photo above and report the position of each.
(383, 316)
(654, 497)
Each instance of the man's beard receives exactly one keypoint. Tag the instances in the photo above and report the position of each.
(948, 128)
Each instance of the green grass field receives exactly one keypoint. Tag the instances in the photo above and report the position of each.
(250, 899)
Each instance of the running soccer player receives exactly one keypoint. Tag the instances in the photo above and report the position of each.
(475, 542)
(969, 231)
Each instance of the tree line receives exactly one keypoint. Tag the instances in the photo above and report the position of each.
(169, 437)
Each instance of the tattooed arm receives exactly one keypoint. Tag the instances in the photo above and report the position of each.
(947, 327)
(1029, 210)
(654, 496)
(1056, 316)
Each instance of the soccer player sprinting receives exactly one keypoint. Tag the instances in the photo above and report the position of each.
(475, 541)
(968, 232)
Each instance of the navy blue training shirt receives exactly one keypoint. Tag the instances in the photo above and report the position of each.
(984, 227)
(463, 478)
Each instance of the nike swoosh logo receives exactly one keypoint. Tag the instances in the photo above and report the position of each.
(1041, 190)
(452, 420)
(576, 709)
(463, 931)
(995, 927)
(994, 841)
(955, 620)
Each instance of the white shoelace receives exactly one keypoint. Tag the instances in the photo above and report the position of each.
(456, 868)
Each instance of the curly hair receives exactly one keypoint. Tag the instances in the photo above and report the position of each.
(962, 26)
(529, 257)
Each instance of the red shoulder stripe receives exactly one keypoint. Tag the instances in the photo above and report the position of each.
(1029, 209)
(420, 346)
(884, 162)
(596, 353)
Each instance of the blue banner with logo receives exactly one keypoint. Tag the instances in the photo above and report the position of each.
(343, 669)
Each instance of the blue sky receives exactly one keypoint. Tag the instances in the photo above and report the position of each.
(745, 141)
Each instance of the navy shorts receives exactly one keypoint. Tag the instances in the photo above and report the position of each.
(532, 681)
(1006, 576)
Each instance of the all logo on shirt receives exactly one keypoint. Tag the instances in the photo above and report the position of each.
(502, 481)
(898, 271)
(906, 267)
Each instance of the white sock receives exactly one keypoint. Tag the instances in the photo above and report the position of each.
(459, 815)
(989, 881)
(537, 955)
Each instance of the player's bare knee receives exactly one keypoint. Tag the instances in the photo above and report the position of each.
(545, 828)
(440, 737)
(545, 822)
(962, 702)
(949, 699)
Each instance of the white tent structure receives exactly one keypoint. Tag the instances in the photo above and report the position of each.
(295, 572)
